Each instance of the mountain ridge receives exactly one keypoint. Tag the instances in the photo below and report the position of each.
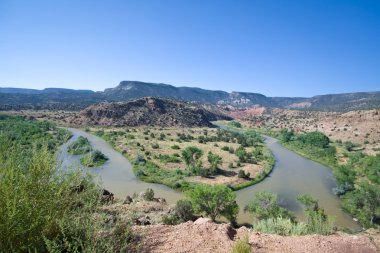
(18, 98)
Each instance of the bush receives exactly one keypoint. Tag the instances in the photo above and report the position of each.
(148, 194)
(184, 210)
(265, 205)
(155, 146)
(241, 246)
(94, 159)
(79, 147)
(175, 147)
(214, 201)
(280, 226)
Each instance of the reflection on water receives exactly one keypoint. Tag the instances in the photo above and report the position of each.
(292, 175)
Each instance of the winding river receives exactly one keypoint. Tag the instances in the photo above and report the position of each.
(292, 175)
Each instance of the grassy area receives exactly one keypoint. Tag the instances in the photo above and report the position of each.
(158, 155)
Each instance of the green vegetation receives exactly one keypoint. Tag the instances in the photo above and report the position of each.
(79, 147)
(183, 211)
(234, 124)
(241, 246)
(265, 205)
(42, 207)
(93, 159)
(214, 201)
(357, 174)
(200, 159)
(273, 219)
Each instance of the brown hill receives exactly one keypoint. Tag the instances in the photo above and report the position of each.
(148, 111)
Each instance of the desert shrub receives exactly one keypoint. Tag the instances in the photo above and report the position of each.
(170, 219)
(148, 194)
(155, 146)
(265, 205)
(241, 246)
(280, 226)
(214, 201)
(184, 210)
(225, 148)
(175, 147)
(191, 156)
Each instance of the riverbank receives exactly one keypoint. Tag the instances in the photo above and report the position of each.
(291, 176)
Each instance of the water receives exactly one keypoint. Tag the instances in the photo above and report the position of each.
(292, 175)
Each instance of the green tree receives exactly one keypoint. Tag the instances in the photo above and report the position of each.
(316, 139)
(191, 156)
(265, 205)
(286, 135)
(214, 201)
(364, 203)
(317, 221)
(214, 161)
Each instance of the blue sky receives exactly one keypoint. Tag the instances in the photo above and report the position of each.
(277, 48)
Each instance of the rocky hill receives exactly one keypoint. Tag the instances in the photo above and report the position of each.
(55, 98)
(148, 111)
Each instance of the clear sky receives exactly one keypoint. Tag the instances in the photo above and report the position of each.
(277, 48)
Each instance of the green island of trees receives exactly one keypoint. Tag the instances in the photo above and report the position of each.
(89, 158)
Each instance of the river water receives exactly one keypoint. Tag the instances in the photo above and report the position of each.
(292, 175)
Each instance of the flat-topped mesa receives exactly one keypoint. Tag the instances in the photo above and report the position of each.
(148, 111)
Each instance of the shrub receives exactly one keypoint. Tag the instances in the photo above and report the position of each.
(214, 201)
(175, 147)
(280, 226)
(265, 205)
(148, 194)
(241, 246)
(184, 210)
(79, 147)
(155, 146)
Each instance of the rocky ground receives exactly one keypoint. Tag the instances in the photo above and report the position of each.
(205, 236)
(202, 235)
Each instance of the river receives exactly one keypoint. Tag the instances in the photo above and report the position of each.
(292, 175)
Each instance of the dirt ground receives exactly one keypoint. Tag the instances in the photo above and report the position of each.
(205, 236)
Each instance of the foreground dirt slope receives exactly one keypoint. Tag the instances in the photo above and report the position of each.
(205, 236)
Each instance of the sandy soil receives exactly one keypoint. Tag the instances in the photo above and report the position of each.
(205, 236)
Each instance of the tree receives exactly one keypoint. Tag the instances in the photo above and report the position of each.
(214, 161)
(317, 221)
(364, 203)
(191, 155)
(265, 205)
(316, 139)
(214, 201)
(286, 135)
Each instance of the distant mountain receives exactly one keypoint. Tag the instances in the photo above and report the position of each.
(67, 99)
(44, 91)
(148, 111)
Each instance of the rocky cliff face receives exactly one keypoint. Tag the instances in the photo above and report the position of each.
(148, 111)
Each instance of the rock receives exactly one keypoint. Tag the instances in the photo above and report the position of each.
(107, 197)
(202, 221)
(128, 200)
(145, 220)
(160, 200)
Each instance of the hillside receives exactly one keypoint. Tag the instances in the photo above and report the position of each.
(148, 111)
(66, 99)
